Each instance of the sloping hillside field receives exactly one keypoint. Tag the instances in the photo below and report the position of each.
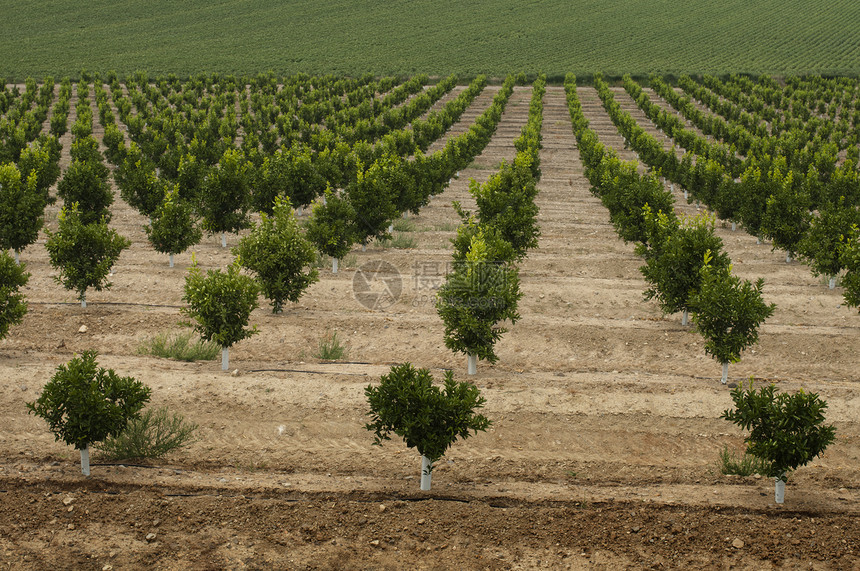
(606, 431)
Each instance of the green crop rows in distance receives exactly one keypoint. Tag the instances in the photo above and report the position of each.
(439, 37)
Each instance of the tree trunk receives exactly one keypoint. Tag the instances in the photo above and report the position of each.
(758, 240)
(334, 265)
(686, 196)
(426, 474)
(788, 257)
(85, 460)
(171, 260)
(225, 358)
(685, 317)
(406, 214)
(779, 494)
(832, 282)
(391, 228)
(734, 226)
(84, 300)
(298, 210)
(17, 257)
(472, 364)
(364, 247)
(725, 373)
(223, 240)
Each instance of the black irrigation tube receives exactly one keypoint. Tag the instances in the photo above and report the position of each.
(77, 303)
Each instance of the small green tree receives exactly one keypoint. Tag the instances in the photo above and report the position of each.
(673, 266)
(331, 227)
(786, 431)
(479, 294)
(138, 183)
(727, 312)
(85, 182)
(84, 403)
(289, 172)
(849, 256)
(428, 418)
(786, 216)
(220, 304)
(174, 227)
(21, 210)
(42, 158)
(278, 253)
(225, 197)
(506, 201)
(821, 245)
(373, 197)
(12, 304)
(83, 253)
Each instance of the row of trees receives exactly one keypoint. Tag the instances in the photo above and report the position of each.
(684, 263)
(481, 294)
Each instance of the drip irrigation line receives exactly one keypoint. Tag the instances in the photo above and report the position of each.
(95, 304)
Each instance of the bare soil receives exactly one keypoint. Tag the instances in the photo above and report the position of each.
(606, 414)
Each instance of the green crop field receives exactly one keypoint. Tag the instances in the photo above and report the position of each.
(779, 37)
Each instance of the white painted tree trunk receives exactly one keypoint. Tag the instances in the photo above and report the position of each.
(171, 260)
(225, 358)
(426, 474)
(334, 265)
(832, 282)
(17, 257)
(686, 195)
(758, 240)
(779, 492)
(223, 240)
(734, 226)
(84, 300)
(390, 228)
(406, 214)
(787, 257)
(672, 186)
(725, 373)
(85, 460)
(685, 317)
(472, 364)
(364, 247)
(299, 210)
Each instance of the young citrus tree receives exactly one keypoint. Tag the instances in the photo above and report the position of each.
(225, 196)
(12, 304)
(174, 227)
(821, 245)
(85, 182)
(278, 253)
(220, 304)
(727, 312)
(479, 294)
(84, 403)
(674, 261)
(428, 418)
(21, 209)
(373, 197)
(331, 227)
(83, 253)
(138, 183)
(786, 430)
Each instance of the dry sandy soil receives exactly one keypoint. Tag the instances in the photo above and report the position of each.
(606, 414)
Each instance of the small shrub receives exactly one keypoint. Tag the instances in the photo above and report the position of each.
(330, 348)
(152, 435)
(180, 346)
(398, 241)
(403, 225)
(732, 463)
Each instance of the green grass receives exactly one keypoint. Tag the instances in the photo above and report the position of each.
(58, 37)
(742, 464)
(183, 346)
(331, 348)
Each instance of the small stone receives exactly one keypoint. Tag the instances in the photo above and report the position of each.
(107, 567)
(375, 543)
(24, 388)
(235, 373)
(382, 507)
(67, 500)
(71, 509)
(70, 527)
(737, 543)
(83, 329)
(421, 521)
(757, 476)
(61, 344)
(150, 537)
(112, 554)
(635, 529)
